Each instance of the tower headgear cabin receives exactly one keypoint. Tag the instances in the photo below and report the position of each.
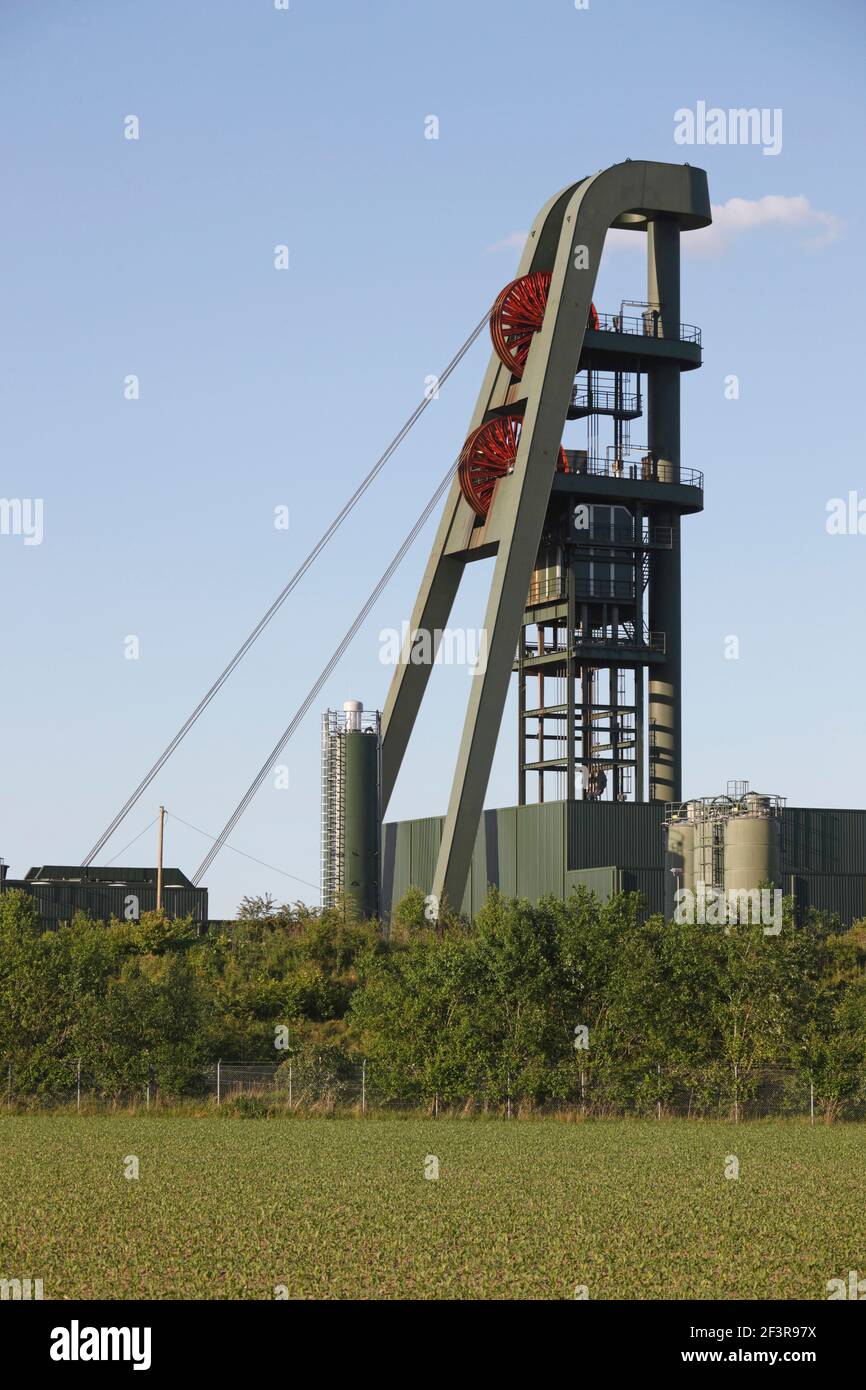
(586, 590)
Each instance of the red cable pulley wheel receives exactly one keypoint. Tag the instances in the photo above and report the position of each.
(489, 455)
(517, 314)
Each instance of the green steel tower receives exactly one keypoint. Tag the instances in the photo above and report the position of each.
(586, 542)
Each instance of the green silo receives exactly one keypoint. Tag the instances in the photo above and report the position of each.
(351, 816)
(361, 823)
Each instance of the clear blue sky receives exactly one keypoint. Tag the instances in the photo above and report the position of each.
(261, 388)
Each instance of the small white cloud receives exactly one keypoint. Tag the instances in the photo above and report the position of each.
(739, 215)
(515, 241)
(730, 220)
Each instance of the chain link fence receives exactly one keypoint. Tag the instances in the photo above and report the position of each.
(331, 1081)
(310, 1082)
(316, 1083)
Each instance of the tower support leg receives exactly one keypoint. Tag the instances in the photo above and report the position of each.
(665, 719)
(515, 557)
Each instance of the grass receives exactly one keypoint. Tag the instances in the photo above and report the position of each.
(340, 1208)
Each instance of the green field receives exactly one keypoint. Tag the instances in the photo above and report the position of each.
(340, 1208)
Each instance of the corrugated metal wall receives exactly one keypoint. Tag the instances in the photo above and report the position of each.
(602, 882)
(59, 902)
(650, 883)
(506, 833)
(842, 894)
(530, 851)
(615, 832)
(816, 840)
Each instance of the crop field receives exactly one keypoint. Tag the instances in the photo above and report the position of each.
(341, 1208)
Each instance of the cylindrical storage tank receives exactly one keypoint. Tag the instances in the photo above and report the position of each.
(752, 852)
(681, 853)
(361, 821)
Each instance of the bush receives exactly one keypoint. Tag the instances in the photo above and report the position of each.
(321, 1076)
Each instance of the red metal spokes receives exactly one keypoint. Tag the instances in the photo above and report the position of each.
(487, 456)
(517, 314)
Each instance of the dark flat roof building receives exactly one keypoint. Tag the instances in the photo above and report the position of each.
(61, 890)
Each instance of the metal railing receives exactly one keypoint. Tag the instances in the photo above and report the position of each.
(604, 400)
(543, 590)
(644, 641)
(647, 325)
(644, 469)
(599, 535)
(757, 805)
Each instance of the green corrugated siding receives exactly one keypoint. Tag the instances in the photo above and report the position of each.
(426, 836)
(650, 883)
(59, 902)
(602, 882)
(615, 832)
(506, 822)
(842, 894)
(403, 860)
(541, 850)
(536, 850)
(823, 841)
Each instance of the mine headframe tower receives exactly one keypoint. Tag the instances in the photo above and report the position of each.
(586, 581)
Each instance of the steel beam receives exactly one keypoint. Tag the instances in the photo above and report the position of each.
(663, 400)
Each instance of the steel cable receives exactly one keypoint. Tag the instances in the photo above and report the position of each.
(281, 598)
(314, 691)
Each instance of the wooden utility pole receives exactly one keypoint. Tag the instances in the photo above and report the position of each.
(159, 860)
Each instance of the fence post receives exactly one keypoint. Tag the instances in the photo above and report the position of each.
(659, 1093)
(147, 1096)
(78, 1086)
(364, 1087)
(219, 1064)
(811, 1100)
(290, 1085)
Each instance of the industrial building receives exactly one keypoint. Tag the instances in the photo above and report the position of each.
(61, 890)
(813, 854)
(583, 614)
(584, 607)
